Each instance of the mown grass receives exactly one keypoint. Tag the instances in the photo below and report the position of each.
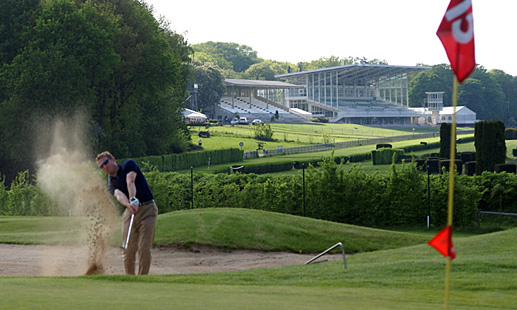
(254, 229)
(337, 152)
(291, 135)
(483, 275)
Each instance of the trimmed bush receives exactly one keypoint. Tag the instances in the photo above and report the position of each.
(447, 162)
(467, 156)
(383, 145)
(510, 133)
(267, 168)
(386, 156)
(433, 165)
(445, 140)
(510, 168)
(470, 168)
(421, 164)
(174, 162)
(490, 145)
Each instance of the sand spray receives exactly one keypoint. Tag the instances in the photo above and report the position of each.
(69, 175)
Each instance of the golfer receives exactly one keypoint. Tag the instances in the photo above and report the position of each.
(130, 188)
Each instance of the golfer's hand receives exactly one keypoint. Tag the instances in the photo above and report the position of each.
(132, 208)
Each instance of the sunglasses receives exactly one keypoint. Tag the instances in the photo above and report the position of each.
(104, 163)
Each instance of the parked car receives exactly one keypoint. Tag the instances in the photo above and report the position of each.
(243, 121)
(257, 121)
(234, 121)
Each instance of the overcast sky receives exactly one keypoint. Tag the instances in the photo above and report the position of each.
(402, 32)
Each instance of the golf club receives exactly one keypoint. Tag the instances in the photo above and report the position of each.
(129, 230)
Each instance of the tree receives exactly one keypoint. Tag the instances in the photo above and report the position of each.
(508, 85)
(265, 70)
(434, 80)
(489, 103)
(113, 61)
(210, 84)
(240, 56)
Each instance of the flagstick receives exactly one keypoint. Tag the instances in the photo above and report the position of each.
(451, 185)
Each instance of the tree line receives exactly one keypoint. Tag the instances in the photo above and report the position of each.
(112, 62)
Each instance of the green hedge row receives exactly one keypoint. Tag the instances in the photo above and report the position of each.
(385, 156)
(175, 162)
(331, 193)
(335, 194)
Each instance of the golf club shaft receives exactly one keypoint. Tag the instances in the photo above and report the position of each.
(129, 230)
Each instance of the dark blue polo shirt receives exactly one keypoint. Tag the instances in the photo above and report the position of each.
(143, 193)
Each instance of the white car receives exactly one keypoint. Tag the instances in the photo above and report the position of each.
(243, 121)
(234, 121)
(257, 121)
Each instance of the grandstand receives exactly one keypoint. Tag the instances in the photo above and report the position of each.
(364, 94)
(257, 99)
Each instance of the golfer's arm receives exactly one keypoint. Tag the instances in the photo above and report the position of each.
(122, 198)
(130, 181)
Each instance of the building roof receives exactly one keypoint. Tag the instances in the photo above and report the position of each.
(446, 110)
(188, 113)
(258, 84)
(360, 71)
(459, 110)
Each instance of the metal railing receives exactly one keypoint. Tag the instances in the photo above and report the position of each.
(337, 145)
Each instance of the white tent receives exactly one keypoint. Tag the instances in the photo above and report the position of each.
(194, 117)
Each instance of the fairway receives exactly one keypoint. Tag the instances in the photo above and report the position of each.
(291, 135)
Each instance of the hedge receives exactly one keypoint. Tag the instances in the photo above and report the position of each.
(175, 162)
(490, 145)
(341, 195)
(385, 156)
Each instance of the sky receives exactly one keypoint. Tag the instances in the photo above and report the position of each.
(402, 32)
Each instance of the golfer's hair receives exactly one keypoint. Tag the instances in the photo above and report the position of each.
(105, 153)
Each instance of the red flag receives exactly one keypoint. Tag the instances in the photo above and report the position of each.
(456, 32)
(442, 242)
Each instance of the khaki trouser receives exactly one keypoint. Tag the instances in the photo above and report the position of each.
(141, 238)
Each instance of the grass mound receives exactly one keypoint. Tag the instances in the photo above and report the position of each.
(268, 231)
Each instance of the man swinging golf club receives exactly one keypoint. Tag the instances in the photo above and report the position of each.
(130, 188)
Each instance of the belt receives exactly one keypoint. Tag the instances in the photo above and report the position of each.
(147, 202)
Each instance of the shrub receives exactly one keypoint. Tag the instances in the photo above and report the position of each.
(510, 168)
(433, 165)
(490, 145)
(263, 132)
(445, 140)
(383, 145)
(174, 162)
(445, 164)
(470, 168)
(510, 133)
(385, 156)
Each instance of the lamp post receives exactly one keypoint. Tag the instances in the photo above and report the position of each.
(194, 103)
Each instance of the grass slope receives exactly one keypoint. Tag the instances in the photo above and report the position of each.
(268, 231)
